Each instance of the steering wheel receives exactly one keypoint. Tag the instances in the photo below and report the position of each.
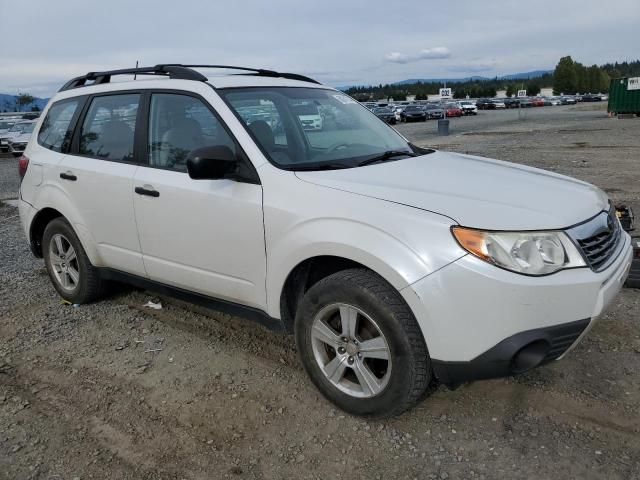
(335, 147)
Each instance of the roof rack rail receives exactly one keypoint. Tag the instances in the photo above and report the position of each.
(252, 71)
(172, 71)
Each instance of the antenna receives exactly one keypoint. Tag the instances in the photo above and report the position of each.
(135, 75)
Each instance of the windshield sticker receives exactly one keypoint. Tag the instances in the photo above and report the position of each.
(344, 99)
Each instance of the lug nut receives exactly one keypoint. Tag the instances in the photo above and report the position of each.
(359, 355)
(350, 359)
(344, 339)
(342, 350)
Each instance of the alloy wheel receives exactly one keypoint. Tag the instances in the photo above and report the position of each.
(64, 262)
(351, 350)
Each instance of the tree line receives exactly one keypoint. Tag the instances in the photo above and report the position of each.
(572, 77)
(569, 77)
(23, 100)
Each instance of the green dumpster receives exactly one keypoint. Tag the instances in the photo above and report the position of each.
(624, 95)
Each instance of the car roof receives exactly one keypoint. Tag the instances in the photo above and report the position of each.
(217, 82)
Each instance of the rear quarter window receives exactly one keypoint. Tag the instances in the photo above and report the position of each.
(55, 132)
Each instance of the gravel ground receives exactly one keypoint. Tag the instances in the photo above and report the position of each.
(9, 181)
(115, 390)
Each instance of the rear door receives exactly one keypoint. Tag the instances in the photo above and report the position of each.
(98, 177)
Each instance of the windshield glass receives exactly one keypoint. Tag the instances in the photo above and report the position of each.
(308, 128)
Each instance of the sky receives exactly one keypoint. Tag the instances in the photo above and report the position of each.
(358, 42)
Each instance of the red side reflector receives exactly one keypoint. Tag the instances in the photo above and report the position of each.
(23, 164)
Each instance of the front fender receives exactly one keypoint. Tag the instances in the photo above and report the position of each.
(390, 252)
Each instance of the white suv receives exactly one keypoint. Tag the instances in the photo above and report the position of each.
(394, 266)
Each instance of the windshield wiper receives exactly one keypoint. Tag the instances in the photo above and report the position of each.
(322, 166)
(388, 155)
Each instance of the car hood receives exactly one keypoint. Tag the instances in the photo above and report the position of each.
(22, 137)
(473, 191)
(8, 134)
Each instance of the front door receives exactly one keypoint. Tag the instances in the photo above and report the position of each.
(205, 236)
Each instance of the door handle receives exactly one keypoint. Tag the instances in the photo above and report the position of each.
(147, 191)
(68, 176)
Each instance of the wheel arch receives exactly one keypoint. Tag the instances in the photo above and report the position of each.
(37, 227)
(58, 205)
(308, 271)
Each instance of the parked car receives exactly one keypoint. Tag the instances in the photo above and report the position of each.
(385, 114)
(567, 100)
(485, 104)
(17, 143)
(468, 108)
(537, 102)
(14, 131)
(434, 111)
(512, 102)
(308, 115)
(392, 265)
(413, 113)
(453, 110)
(591, 98)
(499, 104)
(525, 102)
(551, 101)
(5, 126)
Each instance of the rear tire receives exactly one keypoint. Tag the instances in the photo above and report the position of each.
(361, 345)
(69, 268)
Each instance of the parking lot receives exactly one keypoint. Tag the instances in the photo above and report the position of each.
(187, 393)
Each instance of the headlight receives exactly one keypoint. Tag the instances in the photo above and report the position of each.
(529, 253)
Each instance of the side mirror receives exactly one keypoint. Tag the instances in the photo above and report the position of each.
(211, 163)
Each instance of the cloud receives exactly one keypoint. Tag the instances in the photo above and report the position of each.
(426, 54)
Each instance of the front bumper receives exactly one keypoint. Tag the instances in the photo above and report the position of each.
(476, 318)
(516, 354)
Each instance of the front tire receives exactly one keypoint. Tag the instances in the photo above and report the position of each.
(69, 268)
(361, 345)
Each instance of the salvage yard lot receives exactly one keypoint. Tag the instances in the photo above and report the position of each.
(116, 390)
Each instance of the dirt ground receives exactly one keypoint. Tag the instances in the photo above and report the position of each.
(119, 391)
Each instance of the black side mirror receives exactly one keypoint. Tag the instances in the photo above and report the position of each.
(211, 163)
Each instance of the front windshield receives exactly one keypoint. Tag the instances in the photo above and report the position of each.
(18, 127)
(308, 128)
(28, 127)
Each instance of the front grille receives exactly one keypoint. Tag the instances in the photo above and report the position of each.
(562, 337)
(598, 239)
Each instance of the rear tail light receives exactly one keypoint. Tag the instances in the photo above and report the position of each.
(23, 164)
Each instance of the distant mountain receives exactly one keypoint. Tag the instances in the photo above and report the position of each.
(9, 103)
(474, 78)
(512, 76)
(411, 81)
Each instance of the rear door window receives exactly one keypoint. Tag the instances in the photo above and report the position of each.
(108, 128)
(56, 129)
